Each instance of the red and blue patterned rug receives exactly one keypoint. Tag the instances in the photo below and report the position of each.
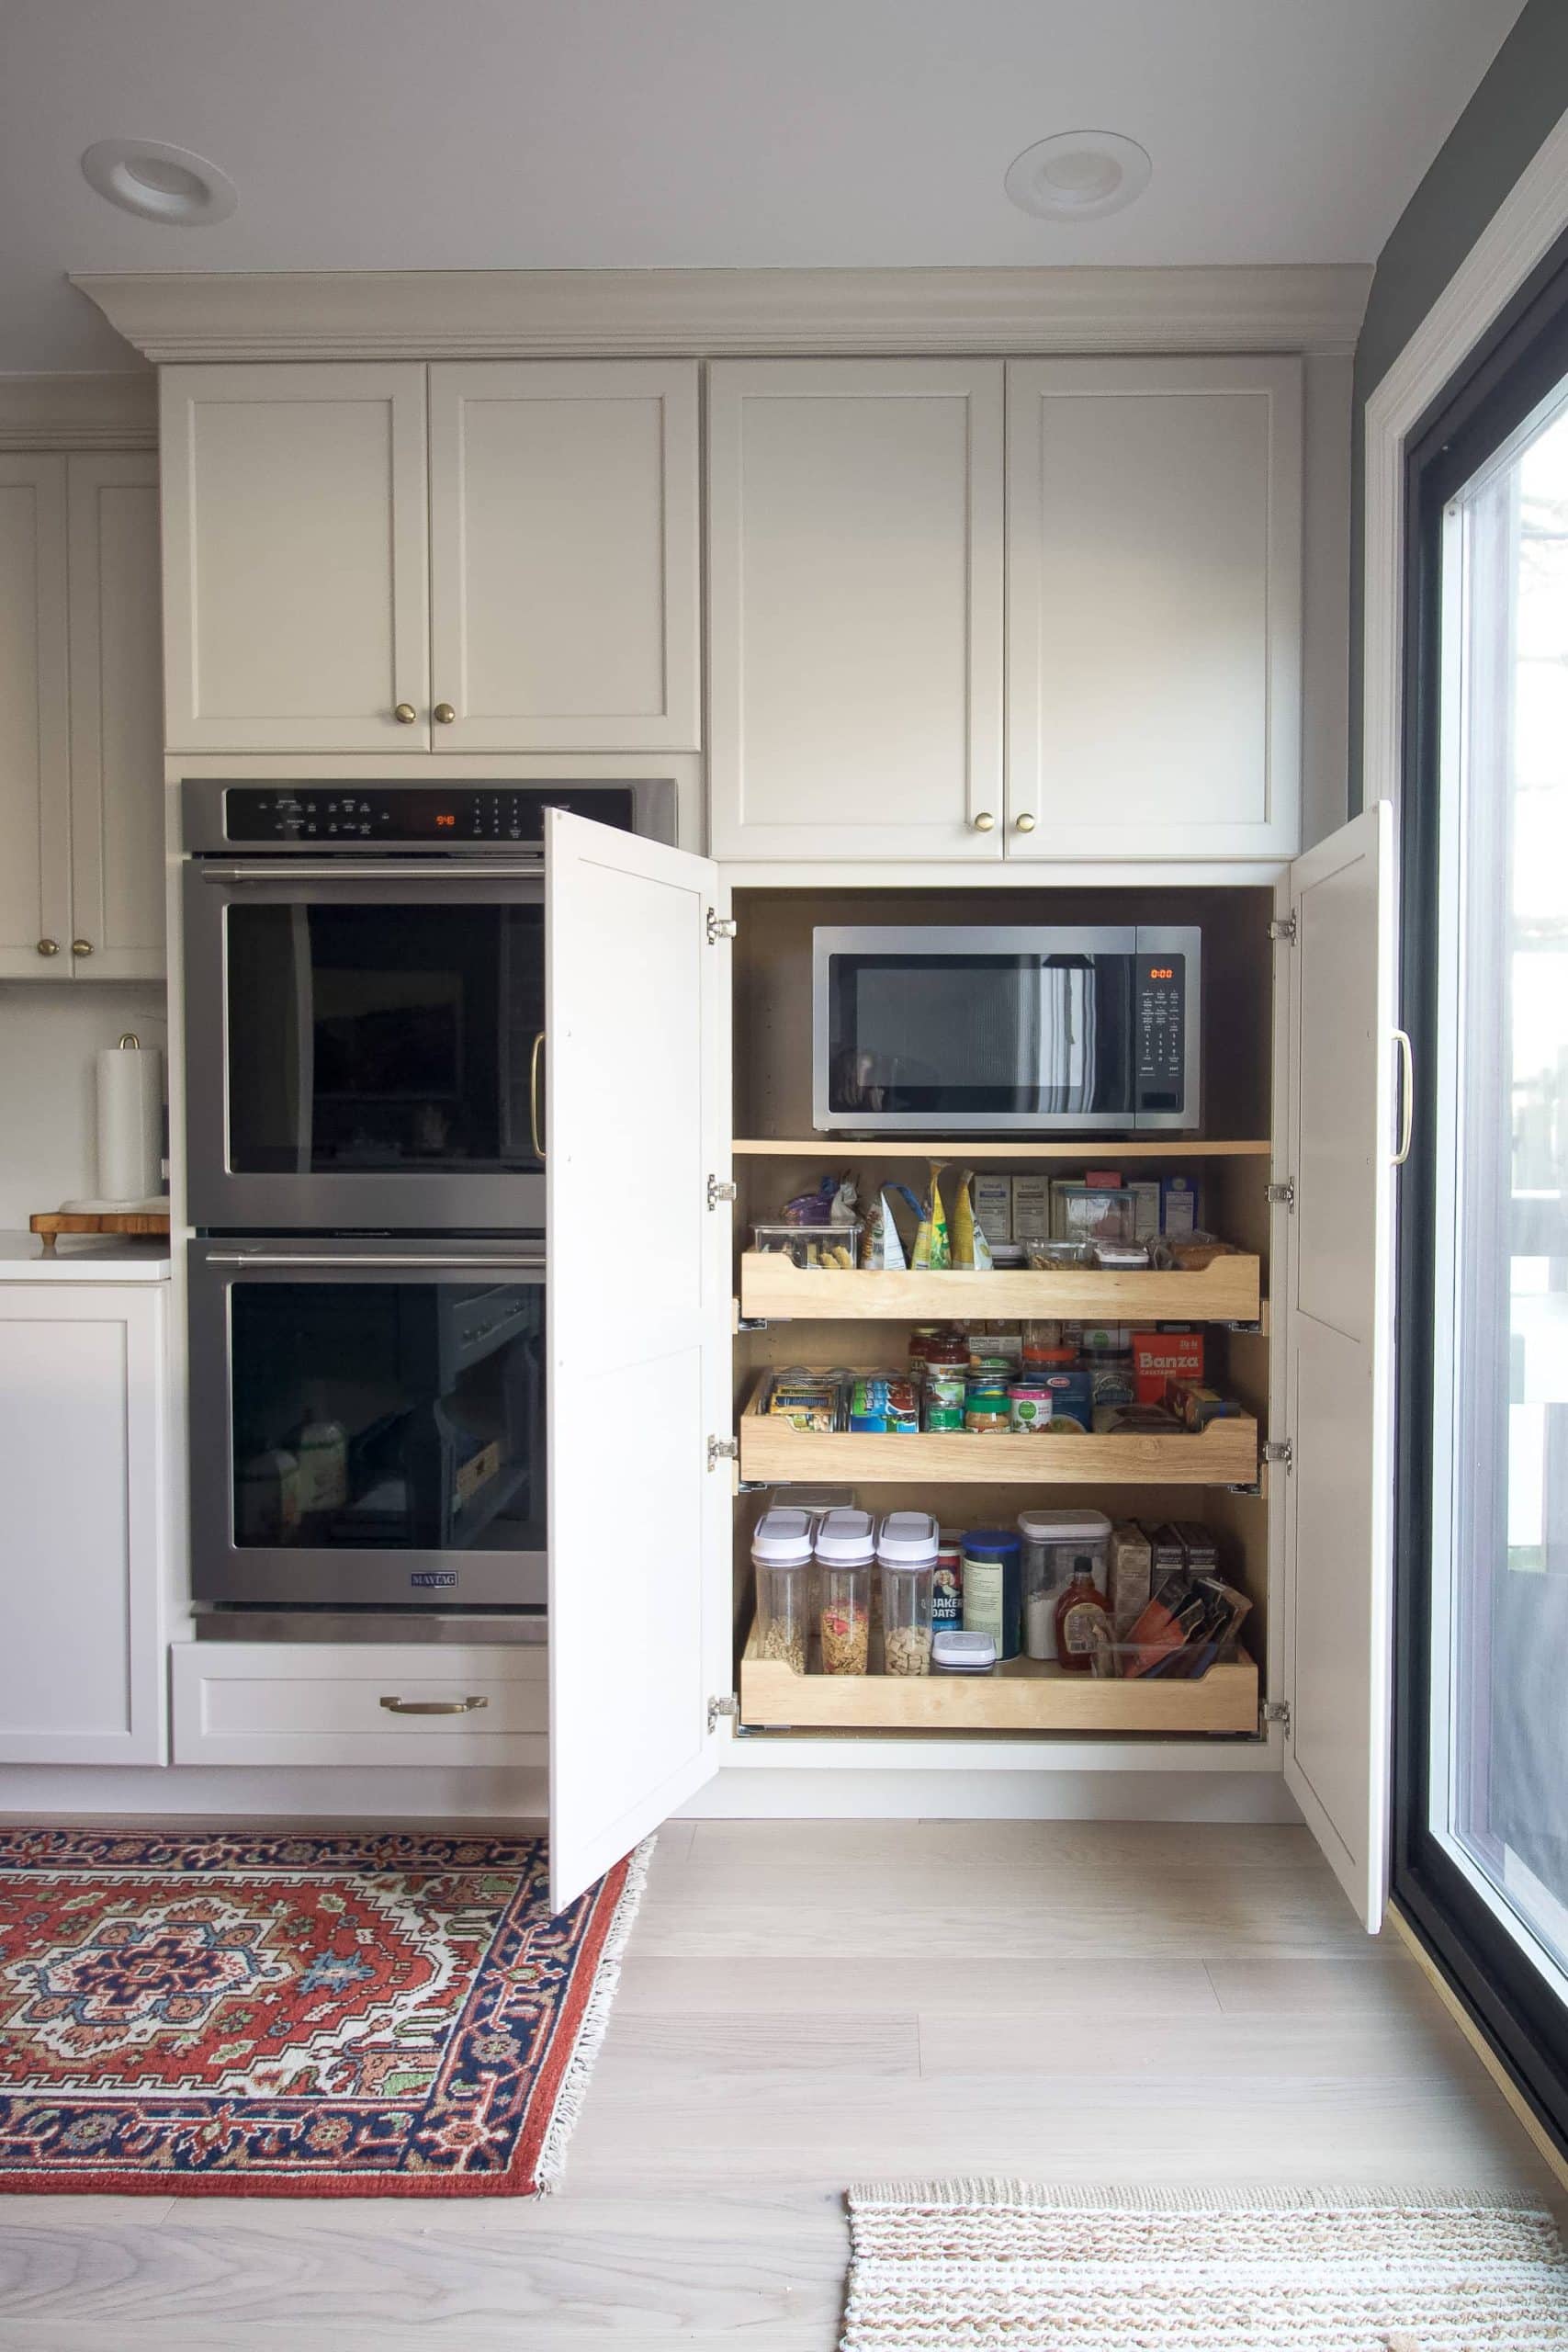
(295, 2015)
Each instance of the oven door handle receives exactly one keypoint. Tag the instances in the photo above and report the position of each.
(349, 868)
(403, 1263)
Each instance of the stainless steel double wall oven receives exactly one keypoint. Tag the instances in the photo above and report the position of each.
(366, 1034)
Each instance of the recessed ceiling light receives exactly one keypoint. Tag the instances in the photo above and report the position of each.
(160, 182)
(1078, 174)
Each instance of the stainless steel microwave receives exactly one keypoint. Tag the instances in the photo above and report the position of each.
(976, 1029)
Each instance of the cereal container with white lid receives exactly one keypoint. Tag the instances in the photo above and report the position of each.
(780, 1558)
(846, 1548)
(906, 1544)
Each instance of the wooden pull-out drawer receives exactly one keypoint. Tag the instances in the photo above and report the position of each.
(282, 1702)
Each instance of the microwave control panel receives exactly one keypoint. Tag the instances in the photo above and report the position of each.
(459, 817)
(1160, 1029)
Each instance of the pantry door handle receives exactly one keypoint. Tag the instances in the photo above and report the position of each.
(396, 1706)
(1407, 1095)
(535, 1138)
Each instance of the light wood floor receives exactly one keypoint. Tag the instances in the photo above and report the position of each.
(807, 2005)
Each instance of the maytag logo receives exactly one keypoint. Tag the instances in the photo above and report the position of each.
(427, 1580)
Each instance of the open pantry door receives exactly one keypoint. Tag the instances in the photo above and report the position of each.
(1338, 1337)
(636, 1330)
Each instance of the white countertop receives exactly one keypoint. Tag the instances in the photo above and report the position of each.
(83, 1258)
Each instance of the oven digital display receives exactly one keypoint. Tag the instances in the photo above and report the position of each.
(351, 816)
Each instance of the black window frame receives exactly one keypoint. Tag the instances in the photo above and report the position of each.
(1516, 366)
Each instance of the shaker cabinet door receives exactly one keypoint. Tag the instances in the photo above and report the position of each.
(856, 600)
(564, 571)
(296, 566)
(1154, 607)
(35, 778)
(117, 720)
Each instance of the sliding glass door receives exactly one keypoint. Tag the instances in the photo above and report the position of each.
(1482, 1764)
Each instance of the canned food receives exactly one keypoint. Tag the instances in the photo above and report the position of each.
(1029, 1407)
(946, 1394)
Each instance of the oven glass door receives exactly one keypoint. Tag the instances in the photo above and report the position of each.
(367, 1426)
(365, 1052)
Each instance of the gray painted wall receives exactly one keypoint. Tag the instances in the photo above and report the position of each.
(1523, 94)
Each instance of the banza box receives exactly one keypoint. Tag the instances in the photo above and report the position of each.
(1159, 1356)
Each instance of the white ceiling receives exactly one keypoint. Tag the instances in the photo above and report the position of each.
(399, 134)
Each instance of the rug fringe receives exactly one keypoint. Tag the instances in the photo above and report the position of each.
(1036, 2196)
(595, 2023)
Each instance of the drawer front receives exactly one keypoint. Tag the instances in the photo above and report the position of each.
(278, 1702)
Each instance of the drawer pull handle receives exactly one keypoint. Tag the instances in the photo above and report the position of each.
(396, 1706)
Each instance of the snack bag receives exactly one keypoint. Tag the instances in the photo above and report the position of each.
(970, 1247)
(882, 1252)
(933, 1252)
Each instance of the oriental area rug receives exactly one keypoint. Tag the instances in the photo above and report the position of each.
(252, 2015)
(998, 2266)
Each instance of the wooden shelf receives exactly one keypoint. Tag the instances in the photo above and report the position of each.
(1228, 1291)
(1021, 1696)
(1224, 1454)
(967, 1149)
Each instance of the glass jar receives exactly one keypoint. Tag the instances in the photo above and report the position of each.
(782, 1559)
(846, 1548)
(1052, 1540)
(907, 1547)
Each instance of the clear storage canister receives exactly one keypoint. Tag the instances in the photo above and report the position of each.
(846, 1548)
(782, 1556)
(1051, 1540)
(906, 1547)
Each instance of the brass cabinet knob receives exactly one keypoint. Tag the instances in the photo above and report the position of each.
(984, 821)
(49, 947)
(1025, 824)
(443, 714)
(405, 714)
(81, 947)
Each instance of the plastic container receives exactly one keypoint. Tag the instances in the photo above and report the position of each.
(959, 1652)
(782, 1556)
(991, 1587)
(846, 1548)
(906, 1547)
(834, 1247)
(1052, 1540)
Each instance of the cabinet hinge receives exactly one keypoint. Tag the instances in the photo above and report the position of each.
(729, 1705)
(1283, 1195)
(723, 1449)
(718, 1190)
(721, 927)
(1284, 927)
(1273, 1711)
(1281, 1450)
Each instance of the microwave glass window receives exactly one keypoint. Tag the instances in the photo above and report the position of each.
(367, 1039)
(985, 1036)
(388, 1416)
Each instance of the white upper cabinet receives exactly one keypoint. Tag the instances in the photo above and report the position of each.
(855, 608)
(35, 822)
(563, 540)
(295, 568)
(1154, 607)
(117, 719)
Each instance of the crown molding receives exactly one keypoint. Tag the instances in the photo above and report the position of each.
(79, 411)
(560, 313)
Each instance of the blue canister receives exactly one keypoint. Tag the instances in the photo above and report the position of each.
(993, 1595)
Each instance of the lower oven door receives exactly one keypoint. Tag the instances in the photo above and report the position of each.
(367, 1424)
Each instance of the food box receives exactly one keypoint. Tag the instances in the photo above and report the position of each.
(1030, 1208)
(1195, 1407)
(1161, 1356)
(993, 1208)
(1179, 1217)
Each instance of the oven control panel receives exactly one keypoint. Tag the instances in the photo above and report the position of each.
(353, 816)
(1160, 1032)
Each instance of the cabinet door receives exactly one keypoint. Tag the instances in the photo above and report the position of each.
(855, 586)
(82, 1469)
(1340, 1350)
(295, 562)
(35, 820)
(636, 1329)
(563, 540)
(1154, 607)
(117, 720)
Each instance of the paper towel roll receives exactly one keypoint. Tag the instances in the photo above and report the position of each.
(130, 1123)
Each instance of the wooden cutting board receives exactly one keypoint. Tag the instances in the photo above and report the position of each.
(49, 1224)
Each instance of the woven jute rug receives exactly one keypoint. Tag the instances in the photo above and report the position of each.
(247, 2015)
(998, 2266)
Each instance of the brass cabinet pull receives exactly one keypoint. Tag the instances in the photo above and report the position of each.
(984, 821)
(1025, 824)
(396, 1706)
(443, 714)
(535, 1137)
(81, 947)
(49, 947)
(405, 714)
